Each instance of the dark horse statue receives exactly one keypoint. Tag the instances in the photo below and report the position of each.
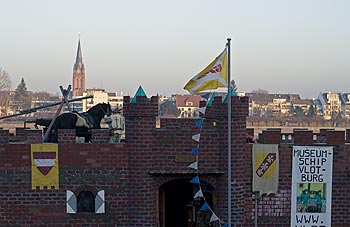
(82, 122)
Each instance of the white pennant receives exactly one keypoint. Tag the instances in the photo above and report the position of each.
(201, 110)
(214, 218)
(196, 137)
(194, 165)
(198, 194)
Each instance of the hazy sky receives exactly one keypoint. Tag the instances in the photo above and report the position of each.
(283, 46)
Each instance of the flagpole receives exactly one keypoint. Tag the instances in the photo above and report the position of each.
(229, 132)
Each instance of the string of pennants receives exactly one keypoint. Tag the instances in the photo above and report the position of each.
(195, 151)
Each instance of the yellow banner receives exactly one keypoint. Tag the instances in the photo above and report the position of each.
(265, 168)
(44, 159)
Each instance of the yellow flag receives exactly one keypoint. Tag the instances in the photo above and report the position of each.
(215, 75)
(265, 168)
(44, 159)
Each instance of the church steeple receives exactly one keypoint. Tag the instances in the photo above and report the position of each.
(78, 73)
(79, 58)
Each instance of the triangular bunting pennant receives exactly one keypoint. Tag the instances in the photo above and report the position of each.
(201, 110)
(199, 123)
(195, 151)
(198, 194)
(205, 95)
(233, 93)
(210, 101)
(194, 166)
(205, 207)
(196, 137)
(214, 218)
(225, 225)
(195, 180)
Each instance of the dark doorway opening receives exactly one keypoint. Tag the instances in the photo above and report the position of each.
(177, 206)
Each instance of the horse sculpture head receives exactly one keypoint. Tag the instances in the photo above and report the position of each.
(92, 117)
(98, 111)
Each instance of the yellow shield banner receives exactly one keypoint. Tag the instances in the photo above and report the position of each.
(44, 158)
(265, 168)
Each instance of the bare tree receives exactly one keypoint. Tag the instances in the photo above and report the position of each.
(5, 81)
(260, 91)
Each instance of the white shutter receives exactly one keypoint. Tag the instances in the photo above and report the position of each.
(71, 202)
(100, 202)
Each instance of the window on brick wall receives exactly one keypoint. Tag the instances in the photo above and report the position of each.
(86, 201)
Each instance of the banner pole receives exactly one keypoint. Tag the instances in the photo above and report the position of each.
(229, 132)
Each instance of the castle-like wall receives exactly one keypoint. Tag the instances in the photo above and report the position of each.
(132, 172)
(93, 166)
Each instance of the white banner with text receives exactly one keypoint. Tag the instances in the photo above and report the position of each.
(311, 186)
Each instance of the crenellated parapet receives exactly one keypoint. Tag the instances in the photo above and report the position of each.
(305, 137)
(143, 107)
(65, 136)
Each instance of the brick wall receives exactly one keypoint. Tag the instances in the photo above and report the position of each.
(274, 210)
(101, 167)
(131, 173)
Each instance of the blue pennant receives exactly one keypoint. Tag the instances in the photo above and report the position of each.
(210, 101)
(233, 93)
(199, 123)
(195, 180)
(205, 95)
(195, 151)
(205, 207)
(225, 225)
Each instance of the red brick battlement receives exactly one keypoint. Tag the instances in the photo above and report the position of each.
(136, 173)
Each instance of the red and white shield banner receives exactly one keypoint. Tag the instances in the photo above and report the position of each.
(44, 161)
(45, 169)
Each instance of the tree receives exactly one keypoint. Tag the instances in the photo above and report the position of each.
(298, 111)
(260, 91)
(21, 98)
(291, 110)
(5, 81)
(336, 117)
(21, 89)
(311, 112)
(268, 113)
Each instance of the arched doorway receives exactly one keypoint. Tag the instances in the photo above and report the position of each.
(177, 206)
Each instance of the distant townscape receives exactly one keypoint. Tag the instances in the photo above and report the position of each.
(24, 103)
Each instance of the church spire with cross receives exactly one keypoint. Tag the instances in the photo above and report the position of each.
(78, 73)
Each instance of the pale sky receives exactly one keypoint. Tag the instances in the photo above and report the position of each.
(282, 46)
